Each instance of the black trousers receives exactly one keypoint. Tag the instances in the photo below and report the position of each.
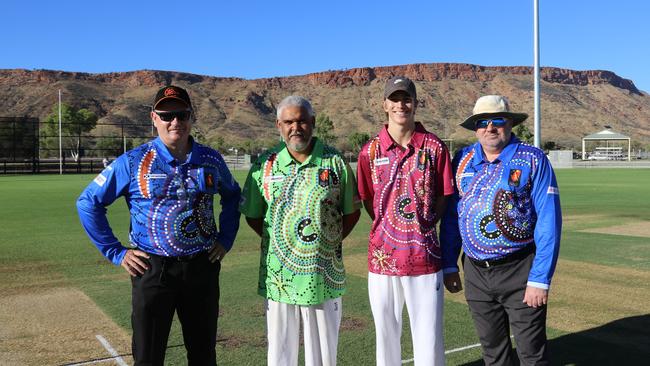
(495, 296)
(191, 288)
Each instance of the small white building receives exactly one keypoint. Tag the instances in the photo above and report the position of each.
(607, 152)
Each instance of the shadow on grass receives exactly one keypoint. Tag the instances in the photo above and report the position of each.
(622, 342)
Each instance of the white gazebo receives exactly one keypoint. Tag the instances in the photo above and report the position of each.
(607, 135)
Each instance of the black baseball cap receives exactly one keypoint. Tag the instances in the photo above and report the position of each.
(172, 92)
(399, 83)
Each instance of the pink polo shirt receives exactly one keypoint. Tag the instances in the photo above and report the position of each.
(403, 184)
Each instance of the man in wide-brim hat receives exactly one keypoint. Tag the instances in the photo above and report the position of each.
(505, 214)
(492, 106)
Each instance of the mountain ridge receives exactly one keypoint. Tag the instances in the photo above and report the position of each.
(574, 103)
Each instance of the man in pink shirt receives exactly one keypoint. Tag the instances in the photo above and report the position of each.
(404, 175)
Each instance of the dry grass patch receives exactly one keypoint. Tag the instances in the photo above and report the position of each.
(17, 278)
(235, 341)
(586, 295)
(583, 295)
(572, 222)
(55, 326)
(636, 228)
(353, 323)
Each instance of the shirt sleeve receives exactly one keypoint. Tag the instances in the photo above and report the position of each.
(548, 228)
(444, 180)
(350, 198)
(110, 184)
(252, 203)
(364, 180)
(229, 217)
(450, 239)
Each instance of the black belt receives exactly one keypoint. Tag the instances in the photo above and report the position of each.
(183, 258)
(519, 254)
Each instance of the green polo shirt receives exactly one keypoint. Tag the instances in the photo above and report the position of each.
(302, 205)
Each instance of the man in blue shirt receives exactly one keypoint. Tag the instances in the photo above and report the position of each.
(505, 214)
(175, 251)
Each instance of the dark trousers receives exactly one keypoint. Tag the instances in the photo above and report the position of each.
(189, 287)
(495, 296)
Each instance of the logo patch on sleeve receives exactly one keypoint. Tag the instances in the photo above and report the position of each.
(100, 180)
(553, 190)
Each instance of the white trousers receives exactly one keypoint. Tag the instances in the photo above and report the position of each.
(424, 297)
(321, 332)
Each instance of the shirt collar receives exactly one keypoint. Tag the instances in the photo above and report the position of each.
(167, 156)
(315, 158)
(417, 139)
(505, 156)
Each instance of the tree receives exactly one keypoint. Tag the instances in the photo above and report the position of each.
(357, 139)
(74, 122)
(255, 146)
(111, 145)
(549, 145)
(523, 133)
(218, 143)
(324, 128)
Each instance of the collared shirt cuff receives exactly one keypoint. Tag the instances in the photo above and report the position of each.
(538, 285)
(450, 270)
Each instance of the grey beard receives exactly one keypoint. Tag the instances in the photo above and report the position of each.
(299, 147)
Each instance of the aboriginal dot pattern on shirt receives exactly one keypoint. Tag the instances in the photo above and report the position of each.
(403, 238)
(179, 219)
(496, 216)
(301, 261)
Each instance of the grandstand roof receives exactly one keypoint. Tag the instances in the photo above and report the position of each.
(606, 134)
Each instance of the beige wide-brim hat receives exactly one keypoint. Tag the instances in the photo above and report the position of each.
(492, 106)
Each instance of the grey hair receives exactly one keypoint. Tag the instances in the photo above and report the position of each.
(295, 101)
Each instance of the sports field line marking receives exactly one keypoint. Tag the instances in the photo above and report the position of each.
(116, 357)
(111, 350)
(108, 359)
(448, 352)
(452, 351)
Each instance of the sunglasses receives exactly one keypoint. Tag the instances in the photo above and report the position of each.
(496, 122)
(179, 115)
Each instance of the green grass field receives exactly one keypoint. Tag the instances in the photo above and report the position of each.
(598, 313)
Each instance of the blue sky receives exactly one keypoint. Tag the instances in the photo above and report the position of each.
(254, 39)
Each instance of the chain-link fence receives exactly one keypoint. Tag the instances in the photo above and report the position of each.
(28, 145)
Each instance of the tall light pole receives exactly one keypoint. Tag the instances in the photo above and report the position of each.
(538, 128)
(60, 144)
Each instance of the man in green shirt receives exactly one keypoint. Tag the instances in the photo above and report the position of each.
(301, 198)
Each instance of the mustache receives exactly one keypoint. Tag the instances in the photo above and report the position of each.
(300, 134)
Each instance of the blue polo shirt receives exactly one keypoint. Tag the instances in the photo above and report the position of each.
(503, 206)
(171, 202)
